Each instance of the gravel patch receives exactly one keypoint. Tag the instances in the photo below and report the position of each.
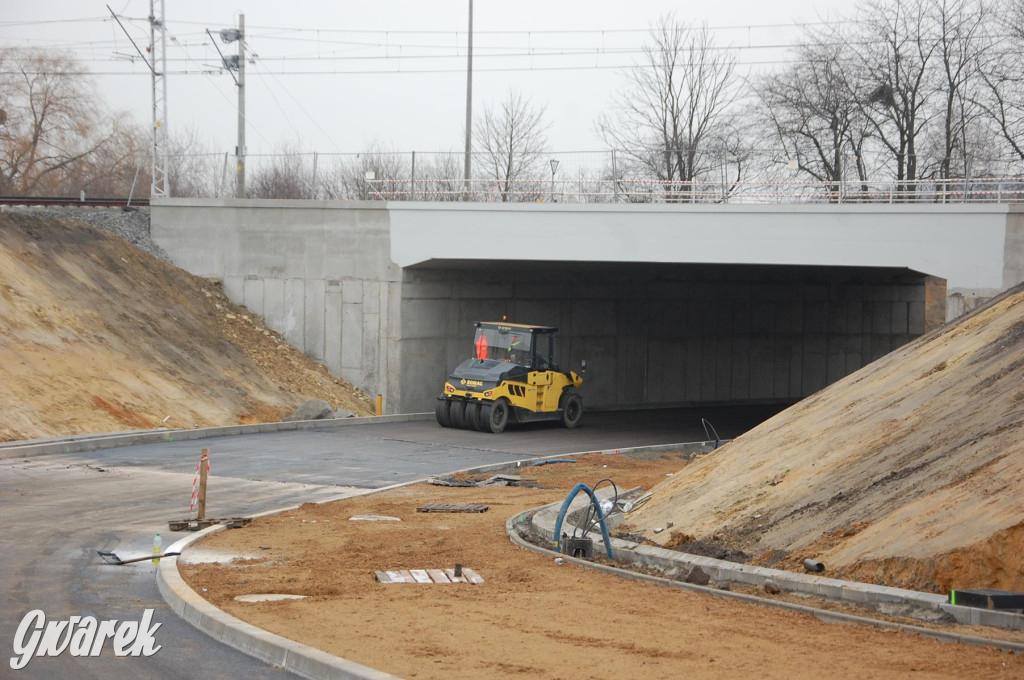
(132, 224)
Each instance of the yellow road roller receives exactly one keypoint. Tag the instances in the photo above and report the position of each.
(512, 377)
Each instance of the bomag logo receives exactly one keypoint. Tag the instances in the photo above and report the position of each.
(472, 383)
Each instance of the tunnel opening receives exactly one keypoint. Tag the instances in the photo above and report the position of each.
(669, 335)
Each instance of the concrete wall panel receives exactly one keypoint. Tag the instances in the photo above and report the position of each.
(273, 303)
(762, 373)
(352, 337)
(252, 296)
(294, 325)
(314, 319)
(332, 328)
(234, 289)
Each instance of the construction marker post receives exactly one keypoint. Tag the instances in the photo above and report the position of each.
(204, 471)
(380, 404)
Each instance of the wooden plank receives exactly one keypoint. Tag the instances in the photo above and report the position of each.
(438, 576)
(420, 576)
(472, 576)
(450, 507)
(399, 577)
(450, 573)
(428, 576)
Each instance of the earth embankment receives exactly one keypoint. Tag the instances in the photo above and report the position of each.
(97, 335)
(909, 472)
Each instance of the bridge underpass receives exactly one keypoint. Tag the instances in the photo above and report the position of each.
(670, 334)
(669, 304)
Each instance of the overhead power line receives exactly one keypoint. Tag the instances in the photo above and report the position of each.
(399, 71)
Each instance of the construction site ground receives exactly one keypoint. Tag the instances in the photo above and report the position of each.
(531, 616)
(909, 472)
(97, 335)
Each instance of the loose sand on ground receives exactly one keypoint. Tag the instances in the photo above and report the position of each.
(97, 335)
(531, 617)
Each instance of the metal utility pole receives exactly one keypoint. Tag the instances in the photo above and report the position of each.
(158, 50)
(240, 152)
(469, 108)
(157, 64)
(236, 63)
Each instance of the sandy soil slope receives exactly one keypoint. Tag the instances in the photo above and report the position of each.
(909, 472)
(530, 618)
(97, 335)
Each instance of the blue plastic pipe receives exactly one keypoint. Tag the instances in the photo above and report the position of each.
(600, 516)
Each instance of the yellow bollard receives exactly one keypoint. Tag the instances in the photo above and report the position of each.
(380, 405)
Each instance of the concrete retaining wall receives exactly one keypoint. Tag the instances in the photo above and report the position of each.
(319, 272)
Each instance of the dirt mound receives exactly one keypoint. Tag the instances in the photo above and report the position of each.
(909, 472)
(97, 335)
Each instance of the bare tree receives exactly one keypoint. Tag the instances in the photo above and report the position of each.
(285, 174)
(377, 173)
(119, 167)
(681, 89)
(511, 138)
(1001, 96)
(896, 52)
(811, 109)
(194, 169)
(51, 121)
(443, 178)
(962, 44)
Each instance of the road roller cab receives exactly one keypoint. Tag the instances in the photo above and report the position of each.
(512, 377)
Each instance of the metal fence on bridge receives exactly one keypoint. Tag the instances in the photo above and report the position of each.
(576, 177)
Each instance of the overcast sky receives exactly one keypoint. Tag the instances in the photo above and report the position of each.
(335, 76)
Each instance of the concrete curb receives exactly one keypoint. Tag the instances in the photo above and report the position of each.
(303, 660)
(543, 523)
(77, 444)
(295, 657)
(825, 615)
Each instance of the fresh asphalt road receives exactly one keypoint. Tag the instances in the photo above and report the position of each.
(58, 510)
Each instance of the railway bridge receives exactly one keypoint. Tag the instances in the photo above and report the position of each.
(669, 304)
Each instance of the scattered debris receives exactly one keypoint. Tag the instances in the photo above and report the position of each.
(658, 530)
(987, 598)
(374, 518)
(559, 561)
(551, 462)
(197, 524)
(314, 409)
(698, 576)
(493, 480)
(630, 506)
(111, 558)
(813, 566)
(452, 507)
(429, 576)
(772, 588)
(267, 597)
(449, 482)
